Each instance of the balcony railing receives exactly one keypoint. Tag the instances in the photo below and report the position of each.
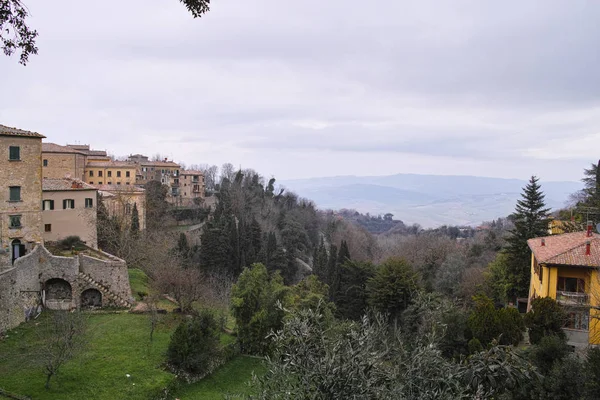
(572, 298)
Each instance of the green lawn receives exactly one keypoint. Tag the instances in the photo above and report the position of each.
(231, 379)
(118, 344)
(138, 281)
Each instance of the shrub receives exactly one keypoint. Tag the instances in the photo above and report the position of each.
(592, 373)
(484, 321)
(545, 318)
(194, 346)
(475, 346)
(547, 352)
(512, 326)
(70, 242)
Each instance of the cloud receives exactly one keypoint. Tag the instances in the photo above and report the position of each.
(463, 87)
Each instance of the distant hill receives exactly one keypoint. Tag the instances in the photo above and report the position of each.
(429, 200)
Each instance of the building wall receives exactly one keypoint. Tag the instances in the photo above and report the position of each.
(22, 286)
(79, 221)
(594, 304)
(61, 165)
(96, 179)
(26, 173)
(120, 204)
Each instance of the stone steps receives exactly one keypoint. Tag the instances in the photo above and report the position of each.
(115, 298)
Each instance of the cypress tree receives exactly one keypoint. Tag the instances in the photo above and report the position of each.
(344, 254)
(531, 220)
(320, 262)
(135, 221)
(332, 269)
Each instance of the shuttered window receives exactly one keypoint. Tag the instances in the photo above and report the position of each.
(14, 153)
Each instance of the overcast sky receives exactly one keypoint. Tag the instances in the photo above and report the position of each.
(310, 88)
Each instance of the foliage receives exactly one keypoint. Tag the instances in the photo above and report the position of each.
(156, 205)
(565, 381)
(548, 351)
(392, 287)
(498, 280)
(487, 323)
(256, 300)
(545, 318)
(311, 293)
(592, 373)
(70, 242)
(350, 295)
(135, 220)
(450, 274)
(194, 346)
(14, 32)
(531, 220)
(63, 339)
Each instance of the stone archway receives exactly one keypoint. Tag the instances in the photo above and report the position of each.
(58, 290)
(91, 298)
(17, 250)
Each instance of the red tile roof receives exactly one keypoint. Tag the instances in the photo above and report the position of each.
(56, 148)
(8, 131)
(567, 249)
(60, 184)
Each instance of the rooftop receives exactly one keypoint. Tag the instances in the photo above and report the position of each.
(119, 188)
(109, 164)
(56, 148)
(8, 131)
(567, 249)
(190, 172)
(52, 184)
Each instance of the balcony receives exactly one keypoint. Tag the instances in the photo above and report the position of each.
(572, 298)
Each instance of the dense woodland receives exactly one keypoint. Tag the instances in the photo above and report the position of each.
(384, 309)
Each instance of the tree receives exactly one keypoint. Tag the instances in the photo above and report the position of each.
(16, 35)
(256, 299)
(156, 205)
(181, 283)
(63, 338)
(391, 289)
(531, 220)
(546, 318)
(350, 295)
(194, 346)
(135, 221)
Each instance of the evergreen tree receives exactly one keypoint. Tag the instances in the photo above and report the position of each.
(350, 295)
(332, 264)
(320, 262)
(531, 220)
(135, 221)
(344, 254)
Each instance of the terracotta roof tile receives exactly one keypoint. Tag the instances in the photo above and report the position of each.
(56, 148)
(60, 184)
(8, 131)
(190, 172)
(119, 188)
(567, 249)
(110, 164)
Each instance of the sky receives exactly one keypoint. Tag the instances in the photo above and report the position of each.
(299, 89)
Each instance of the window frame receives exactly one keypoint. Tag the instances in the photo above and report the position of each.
(50, 205)
(45, 162)
(12, 218)
(47, 227)
(10, 153)
(68, 202)
(10, 194)
(89, 202)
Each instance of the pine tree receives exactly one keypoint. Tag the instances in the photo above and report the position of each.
(531, 220)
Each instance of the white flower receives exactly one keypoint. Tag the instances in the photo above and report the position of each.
(127, 375)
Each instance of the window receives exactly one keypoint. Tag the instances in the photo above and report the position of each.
(14, 153)
(48, 205)
(15, 193)
(574, 285)
(118, 174)
(578, 319)
(91, 183)
(118, 183)
(45, 163)
(99, 173)
(127, 183)
(127, 208)
(68, 204)
(109, 183)
(47, 227)
(127, 174)
(92, 173)
(99, 182)
(89, 202)
(15, 221)
(109, 174)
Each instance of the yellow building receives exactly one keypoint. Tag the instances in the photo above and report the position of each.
(565, 268)
(119, 201)
(110, 173)
(21, 192)
(191, 187)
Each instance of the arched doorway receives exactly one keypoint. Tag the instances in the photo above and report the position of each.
(17, 249)
(58, 289)
(91, 298)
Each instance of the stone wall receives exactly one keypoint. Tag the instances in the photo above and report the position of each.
(61, 165)
(32, 279)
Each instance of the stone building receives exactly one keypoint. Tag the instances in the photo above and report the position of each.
(21, 191)
(191, 187)
(62, 161)
(119, 201)
(165, 172)
(69, 209)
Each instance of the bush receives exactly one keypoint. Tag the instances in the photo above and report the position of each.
(194, 346)
(512, 326)
(592, 374)
(547, 352)
(546, 318)
(475, 346)
(484, 321)
(70, 242)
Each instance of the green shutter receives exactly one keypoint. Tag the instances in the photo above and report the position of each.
(14, 153)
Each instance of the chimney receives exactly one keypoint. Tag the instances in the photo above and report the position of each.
(543, 242)
(588, 248)
(589, 229)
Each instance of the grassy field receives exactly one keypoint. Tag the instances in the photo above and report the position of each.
(117, 344)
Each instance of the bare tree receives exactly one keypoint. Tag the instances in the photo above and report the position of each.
(63, 338)
(216, 294)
